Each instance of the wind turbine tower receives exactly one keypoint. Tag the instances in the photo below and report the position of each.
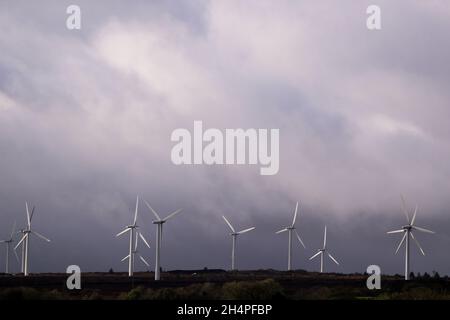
(291, 229)
(408, 234)
(134, 236)
(234, 235)
(324, 251)
(159, 231)
(25, 241)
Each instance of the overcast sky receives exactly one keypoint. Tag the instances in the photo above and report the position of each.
(364, 116)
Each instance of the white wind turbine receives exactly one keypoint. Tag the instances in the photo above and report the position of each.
(25, 241)
(159, 223)
(8, 243)
(136, 251)
(407, 231)
(324, 250)
(291, 229)
(234, 235)
(134, 236)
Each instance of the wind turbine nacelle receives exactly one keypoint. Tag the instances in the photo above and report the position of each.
(157, 222)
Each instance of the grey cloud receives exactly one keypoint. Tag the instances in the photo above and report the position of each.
(86, 117)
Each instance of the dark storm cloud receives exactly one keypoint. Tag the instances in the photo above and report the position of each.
(86, 118)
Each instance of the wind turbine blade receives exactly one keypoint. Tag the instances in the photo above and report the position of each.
(281, 231)
(414, 215)
(28, 215)
(405, 211)
(418, 244)
(423, 229)
(143, 239)
(136, 240)
(295, 214)
(332, 258)
(395, 231)
(143, 260)
(40, 236)
(13, 230)
(125, 258)
(173, 214)
(401, 242)
(17, 257)
(153, 211)
(246, 230)
(136, 211)
(229, 224)
(32, 214)
(122, 232)
(2, 241)
(21, 240)
(319, 252)
(325, 237)
(300, 239)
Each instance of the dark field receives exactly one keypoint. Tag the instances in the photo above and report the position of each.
(219, 284)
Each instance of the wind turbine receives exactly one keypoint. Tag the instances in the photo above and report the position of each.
(234, 235)
(136, 251)
(134, 236)
(159, 223)
(324, 250)
(8, 243)
(26, 240)
(407, 231)
(291, 229)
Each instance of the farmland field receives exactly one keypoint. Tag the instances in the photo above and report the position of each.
(219, 284)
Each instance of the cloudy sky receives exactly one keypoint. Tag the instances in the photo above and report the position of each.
(364, 116)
